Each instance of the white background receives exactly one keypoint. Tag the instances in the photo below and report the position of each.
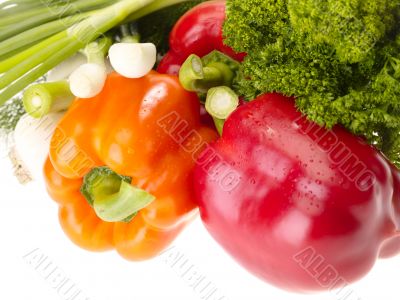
(29, 223)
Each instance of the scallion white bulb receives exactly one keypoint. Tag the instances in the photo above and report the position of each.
(88, 80)
(133, 60)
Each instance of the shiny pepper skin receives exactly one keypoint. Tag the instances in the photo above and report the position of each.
(148, 129)
(198, 32)
(304, 208)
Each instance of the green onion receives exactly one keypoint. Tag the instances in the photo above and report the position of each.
(129, 34)
(151, 8)
(43, 98)
(133, 60)
(219, 125)
(52, 41)
(200, 74)
(192, 72)
(221, 102)
(129, 57)
(16, 23)
(36, 34)
(89, 79)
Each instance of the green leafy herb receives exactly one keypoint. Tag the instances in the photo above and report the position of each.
(339, 58)
(10, 114)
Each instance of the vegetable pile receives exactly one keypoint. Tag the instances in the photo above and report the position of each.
(38, 35)
(339, 58)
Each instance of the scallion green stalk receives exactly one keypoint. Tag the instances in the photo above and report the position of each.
(200, 74)
(23, 68)
(14, 24)
(36, 34)
(219, 125)
(32, 75)
(43, 98)
(151, 8)
(221, 102)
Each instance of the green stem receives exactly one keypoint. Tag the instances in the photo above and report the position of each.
(96, 51)
(219, 125)
(57, 48)
(37, 58)
(8, 8)
(18, 26)
(4, 12)
(197, 77)
(4, 4)
(127, 36)
(112, 196)
(153, 7)
(38, 72)
(43, 98)
(221, 102)
(105, 19)
(12, 62)
(16, 52)
(45, 13)
(21, 71)
(36, 34)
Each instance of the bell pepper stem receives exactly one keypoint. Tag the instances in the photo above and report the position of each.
(112, 196)
(43, 98)
(221, 102)
(122, 204)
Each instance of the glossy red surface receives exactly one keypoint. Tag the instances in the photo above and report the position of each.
(304, 208)
(198, 32)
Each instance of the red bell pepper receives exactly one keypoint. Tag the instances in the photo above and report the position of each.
(198, 32)
(302, 207)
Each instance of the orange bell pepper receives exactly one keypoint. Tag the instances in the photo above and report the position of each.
(120, 165)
